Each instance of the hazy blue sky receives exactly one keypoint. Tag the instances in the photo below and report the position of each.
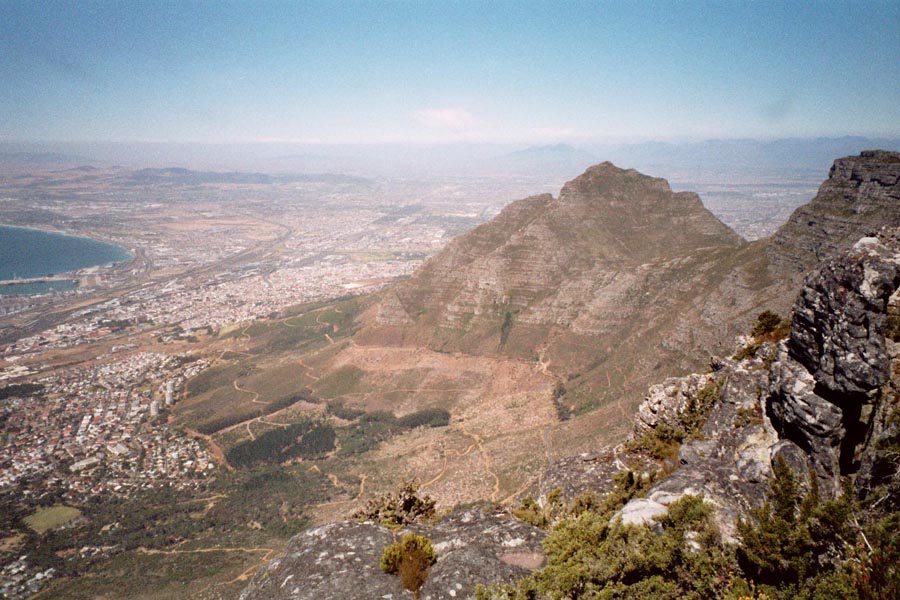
(437, 71)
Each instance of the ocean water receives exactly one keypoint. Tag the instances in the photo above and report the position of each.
(27, 253)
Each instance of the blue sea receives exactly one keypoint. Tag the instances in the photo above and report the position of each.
(27, 253)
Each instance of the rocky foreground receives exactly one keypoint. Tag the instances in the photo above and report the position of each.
(820, 399)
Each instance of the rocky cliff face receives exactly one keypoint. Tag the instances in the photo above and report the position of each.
(859, 196)
(821, 399)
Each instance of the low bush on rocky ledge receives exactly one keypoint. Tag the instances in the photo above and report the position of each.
(795, 547)
(626, 485)
(411, 559)
(664, 441)
(592, 555)
(769, 327)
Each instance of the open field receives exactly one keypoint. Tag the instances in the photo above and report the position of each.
(46, 519)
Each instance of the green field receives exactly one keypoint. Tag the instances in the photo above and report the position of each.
(46, 519)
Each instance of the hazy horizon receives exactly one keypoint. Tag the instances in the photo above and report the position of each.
(434, 73)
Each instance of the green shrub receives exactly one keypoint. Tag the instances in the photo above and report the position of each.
(746, 417)
(696, 411)
(410, 558)
(785, 548)
(592, 556)
(505, 328)
(530, 511)
(766, 323)
(661, 443)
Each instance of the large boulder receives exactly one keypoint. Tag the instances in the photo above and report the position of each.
(341, 561)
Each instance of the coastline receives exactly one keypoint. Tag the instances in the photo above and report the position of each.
(128, 256)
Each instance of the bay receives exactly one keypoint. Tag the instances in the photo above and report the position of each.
(28, 253)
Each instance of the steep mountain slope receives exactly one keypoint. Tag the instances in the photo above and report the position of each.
(620, 278)
(584, 283)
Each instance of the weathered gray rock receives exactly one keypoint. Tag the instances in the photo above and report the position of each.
(336, 561)
(481, 544)
(817, 400)
(730, 464)
(642, 511)
(826, 380)
(594, 472)
(837, 331)
(665, 402)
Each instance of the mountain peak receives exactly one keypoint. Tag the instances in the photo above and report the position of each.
(608, 178)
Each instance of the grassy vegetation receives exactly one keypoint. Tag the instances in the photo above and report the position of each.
(218, 376)
(410, 558)
(339, 382)
(252, 509)
(252, 411)
(45, 519)
(139, 576)
(271, 369)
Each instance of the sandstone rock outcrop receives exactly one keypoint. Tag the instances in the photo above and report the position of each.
(828, 378)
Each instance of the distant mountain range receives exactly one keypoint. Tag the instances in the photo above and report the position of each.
(553, 162)
(180, 176)
(549, 158)
(41, 160)
(788, 154)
